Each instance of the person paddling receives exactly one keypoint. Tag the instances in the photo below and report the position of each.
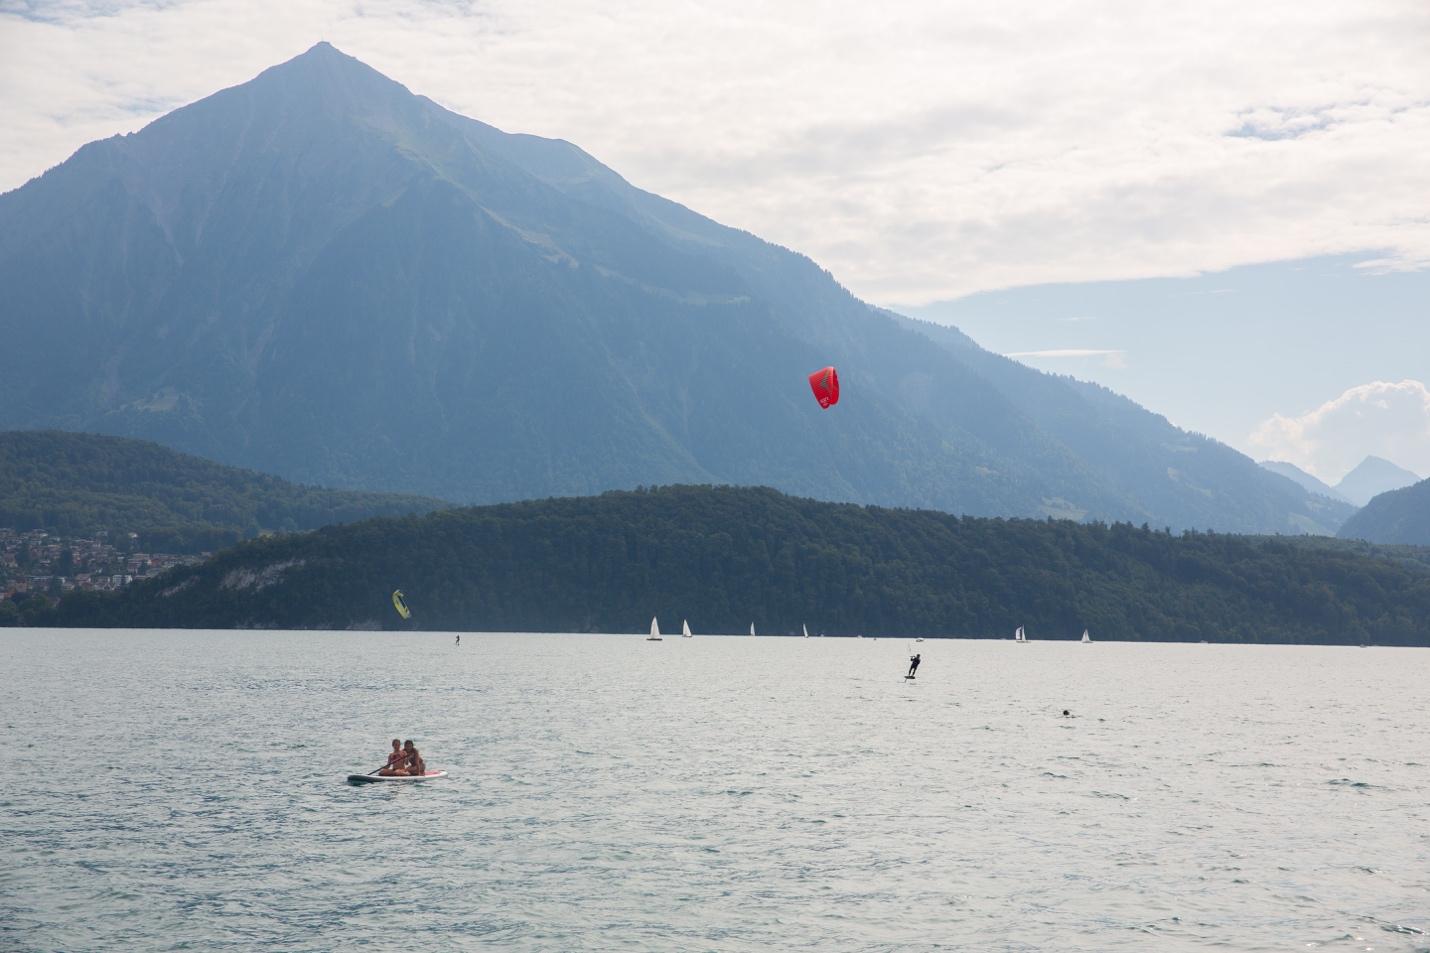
(395, 759)
(913, 664)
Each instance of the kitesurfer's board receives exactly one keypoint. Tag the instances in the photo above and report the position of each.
(368, 778)
(908, 676)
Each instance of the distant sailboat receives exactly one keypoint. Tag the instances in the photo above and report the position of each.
(806, 630)
(752, 628)
(1085, 636)
(685, 629)
(654, 631)
(1019, 635)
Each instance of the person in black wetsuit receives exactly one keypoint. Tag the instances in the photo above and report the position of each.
(914, 664)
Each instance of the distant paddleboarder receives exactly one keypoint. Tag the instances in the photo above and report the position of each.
(913, 665)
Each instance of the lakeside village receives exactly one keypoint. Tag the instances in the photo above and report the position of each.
(35, 562)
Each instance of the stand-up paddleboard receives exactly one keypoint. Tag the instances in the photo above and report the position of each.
(371, 778)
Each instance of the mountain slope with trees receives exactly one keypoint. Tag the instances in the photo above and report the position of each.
(1302, 478)
(1399, 516)
(724, 557)
(85, 484)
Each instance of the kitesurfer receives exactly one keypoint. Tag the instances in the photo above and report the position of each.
(459, 640)
(913, 664)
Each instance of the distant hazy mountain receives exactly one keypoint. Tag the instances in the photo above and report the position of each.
(1140, 453)
(1372, 477)
(1307, 482)
(321, 275)
(1396, 516)
(81, 484)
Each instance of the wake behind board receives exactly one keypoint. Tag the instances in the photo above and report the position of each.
(372, 778)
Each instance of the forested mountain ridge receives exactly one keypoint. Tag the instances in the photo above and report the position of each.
(85, 484)
(318, 274)
(726, 557)
(1304, 479)
(1398, 516)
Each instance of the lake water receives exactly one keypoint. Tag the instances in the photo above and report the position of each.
(185, 791)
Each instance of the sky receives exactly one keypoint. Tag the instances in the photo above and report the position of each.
(1320, 362)
(926, 153)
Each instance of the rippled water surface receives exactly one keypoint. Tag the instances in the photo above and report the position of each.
(168, 790)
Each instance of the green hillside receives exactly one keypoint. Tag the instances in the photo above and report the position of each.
(82, 484)
(1398, 516)
(726, 557)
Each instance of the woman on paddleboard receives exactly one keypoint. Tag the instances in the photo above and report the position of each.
(416, 767)
(395, 759)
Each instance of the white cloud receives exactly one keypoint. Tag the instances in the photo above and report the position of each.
(1110, 358)
(918, 150)
(1389, 420)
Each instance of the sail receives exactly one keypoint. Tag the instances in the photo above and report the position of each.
(806, 630)
(1085, 636)
(654, 631)
(825, 384)
(399, 602)
(752, 628)
(685, 628)
(1019, 635)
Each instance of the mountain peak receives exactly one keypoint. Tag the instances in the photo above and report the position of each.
(1375, 464)
(324, 62)
(1373, 476)
(320, 274)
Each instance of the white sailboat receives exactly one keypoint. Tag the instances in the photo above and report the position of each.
(806, 630)
(654, 631)
(752, 628)
(685, 629)
(1085, 637)
(1019, 635)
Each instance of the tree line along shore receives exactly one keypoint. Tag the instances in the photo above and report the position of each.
(727, 556)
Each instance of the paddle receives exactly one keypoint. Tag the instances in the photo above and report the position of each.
(388, 765)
